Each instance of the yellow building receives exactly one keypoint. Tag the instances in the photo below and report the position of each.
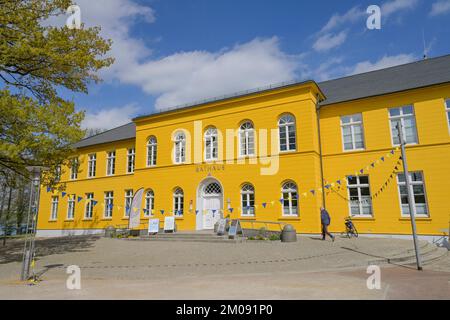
(258, 156)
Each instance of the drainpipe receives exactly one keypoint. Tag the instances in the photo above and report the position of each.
(320, 150)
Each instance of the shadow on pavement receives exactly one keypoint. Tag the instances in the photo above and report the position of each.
(13, 250)
(388, 260)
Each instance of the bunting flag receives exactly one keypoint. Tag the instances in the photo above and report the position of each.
(94, 202)
(281, 200)
(214, 211)
(196, 212)
(80, 198)
(328, 186)
(49, 189)
(264, 204)
(312, 191)
(272, 202)
(338, 182)
(231, 210)
(63, 194)
(162, 212)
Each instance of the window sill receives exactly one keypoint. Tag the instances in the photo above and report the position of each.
(289, 218)
(354, 150)
(287, 151)
(362, 218)
(416, 218)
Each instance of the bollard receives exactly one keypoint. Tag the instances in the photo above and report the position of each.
(288, 234)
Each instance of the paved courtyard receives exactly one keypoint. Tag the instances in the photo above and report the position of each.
(307, 269)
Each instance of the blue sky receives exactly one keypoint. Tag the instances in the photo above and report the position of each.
(170, 52)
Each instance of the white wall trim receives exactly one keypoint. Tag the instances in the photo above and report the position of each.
(47, 233)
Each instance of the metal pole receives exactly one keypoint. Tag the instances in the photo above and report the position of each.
(410, 196)
(320, 151)
(26, 248)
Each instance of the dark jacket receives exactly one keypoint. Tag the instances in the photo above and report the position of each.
(325, 217)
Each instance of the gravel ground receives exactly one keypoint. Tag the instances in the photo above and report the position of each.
(309, 268)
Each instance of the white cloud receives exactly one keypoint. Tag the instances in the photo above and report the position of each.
(109, 118)
(189, 76)
(337, 20)
(440, 7)
(384, 62)
(391, 7)
(329, 41)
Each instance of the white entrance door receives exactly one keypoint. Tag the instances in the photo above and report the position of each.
(212, 206)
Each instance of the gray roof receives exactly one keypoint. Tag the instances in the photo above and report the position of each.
(127, 131)
(408, 76)
(394, 79)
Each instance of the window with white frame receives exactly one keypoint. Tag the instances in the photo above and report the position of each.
(109, 204)
(89, 207)
(286, 127)
(405, 117)
(74, 163)
(58, 173)
(54, 208)
(359, 195)
(352, 132)
(248, 200)
(111, 163)
(211, 144)
(246, 139)
(128, 201)
(151, 151)
(180, 148)
(447, 109)
(71, 207)
(92, 164)
(290, 199)
(178, 202)
(131, 154)
(149, 203)
(417, 185)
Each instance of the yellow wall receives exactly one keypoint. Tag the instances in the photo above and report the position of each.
(301, 166)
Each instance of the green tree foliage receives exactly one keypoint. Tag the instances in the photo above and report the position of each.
(37, 62)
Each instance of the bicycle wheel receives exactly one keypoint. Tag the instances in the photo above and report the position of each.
(355, 232)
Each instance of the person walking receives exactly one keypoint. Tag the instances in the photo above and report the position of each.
(325, 220)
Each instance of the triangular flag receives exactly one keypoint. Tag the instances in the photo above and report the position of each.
(214, 211)
(264, 204)
(281, 200)
(272, 202)
(231, 210)
(196, 211)
(49, 189)
(392, 152)
(373, 164)
(382, 158)
(338, 182)
(80, 198)
(63, 194)
(312, 191)
(327, 186)
(361, 171)
(94, 202)
(162, 211)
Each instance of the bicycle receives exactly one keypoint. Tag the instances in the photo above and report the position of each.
(350, 228)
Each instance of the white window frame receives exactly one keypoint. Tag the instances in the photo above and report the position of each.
(447, 110)
(152, 149)
(285, 122)
(128, 202)
(358, 187)
(246, 133)
(71, 207)
(111, 163)
(179, 149)
(402, 118)
(178, 202)
(92, 165)
(109, 200)
(131, 158)
(352, 124)
(412, 184)
(211, 144)
(247, 192)
(290, 197)
(89, 206)
(74, 168)
(54, 208)
(149, 203)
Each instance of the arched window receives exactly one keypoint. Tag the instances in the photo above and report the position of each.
(149, 203)
(248, 200)
(151, 151)
(290, 199)
(246, 139)
(212, 189)
(180, 148)
(178, 202)
(286, 126)
(211, 144)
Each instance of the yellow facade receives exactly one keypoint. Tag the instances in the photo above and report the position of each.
(300, 166)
